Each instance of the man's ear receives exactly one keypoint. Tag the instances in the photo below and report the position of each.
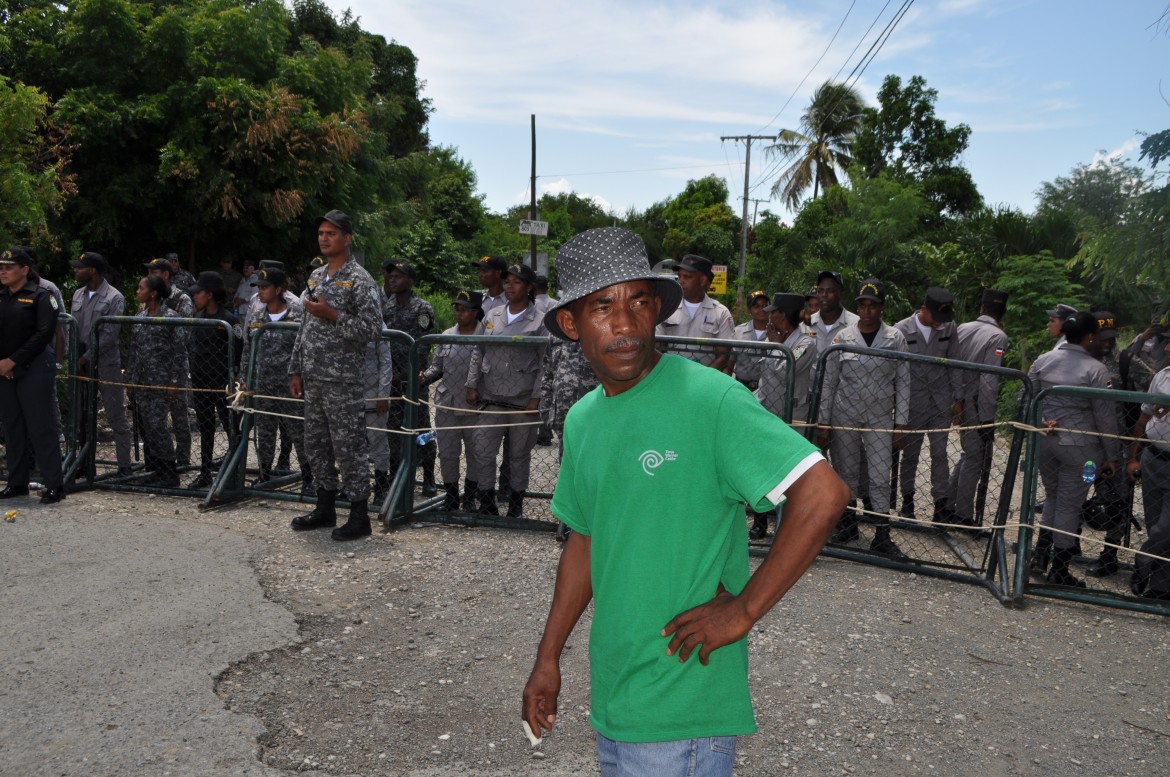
(568, 326)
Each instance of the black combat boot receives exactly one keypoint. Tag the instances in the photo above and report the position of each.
(1058, 573)
(470, 489)
(1105, 565)
(428, 486)
(203, 480)
(882, 543)
(846, 530)
(358, 524)
(306, 479)
(323, 516)
(907, 510)
(381, 485)
(487, 501)
(451, 500)
(516, 505)
(1042, 553)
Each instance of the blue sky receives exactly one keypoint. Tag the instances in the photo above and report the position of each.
(631, 97)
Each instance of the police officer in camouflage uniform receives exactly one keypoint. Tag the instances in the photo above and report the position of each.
(179, 402)
(934, 398)
(342, 315)
(270, 373)
(158, 368)
(405, 311)
(181, 279)
(866, 392)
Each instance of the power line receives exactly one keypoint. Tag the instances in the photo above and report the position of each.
(814, 67)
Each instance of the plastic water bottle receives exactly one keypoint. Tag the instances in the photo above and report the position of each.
(1089, 472)
(425, 437)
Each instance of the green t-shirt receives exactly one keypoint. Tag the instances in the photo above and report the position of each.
(657, 477)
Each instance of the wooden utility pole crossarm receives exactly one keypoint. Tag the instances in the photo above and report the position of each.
(743, 232)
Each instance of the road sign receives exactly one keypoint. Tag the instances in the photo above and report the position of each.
(719, 282)
(530, 227)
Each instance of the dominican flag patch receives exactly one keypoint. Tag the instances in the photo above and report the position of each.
(999, 352)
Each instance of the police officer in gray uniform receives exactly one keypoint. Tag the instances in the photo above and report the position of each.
(1063, 452)
(868, 392)
(507, 379)
(830, 317)
(405, 311)
(179, 402)
(785, 326)
(1150, 460)
(491, 271)
(100, 353)
(934, 397)
(748, 364)
(454, 425)
(981, 341)
(342, 314)
(699, 315)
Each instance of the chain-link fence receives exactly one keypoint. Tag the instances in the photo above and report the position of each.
(172, 378)
(1094, 529)
(931, 470)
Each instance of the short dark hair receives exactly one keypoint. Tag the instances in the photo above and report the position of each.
(158, 286)
(1078, 326)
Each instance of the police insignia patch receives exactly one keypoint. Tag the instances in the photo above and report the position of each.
(424, 321)
(53, 302)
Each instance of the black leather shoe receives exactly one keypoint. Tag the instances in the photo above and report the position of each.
(52, 495)
(12, 491)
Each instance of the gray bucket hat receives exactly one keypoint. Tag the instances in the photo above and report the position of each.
(601, 257)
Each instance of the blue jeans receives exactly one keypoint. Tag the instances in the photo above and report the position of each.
(705, 757)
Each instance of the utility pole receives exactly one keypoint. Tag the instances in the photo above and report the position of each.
(532, 209)
(747, 166)
(756, 210)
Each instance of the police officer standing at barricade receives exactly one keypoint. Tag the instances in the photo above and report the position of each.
(28, 321)
(870, 393)
(1145, 356)
(178, 402)
(100, 354)
(934, 397)
(180, 278)
(211, 370)
(491, 275)
(454, 425)
(158, 368)
(379, 387)
(830, 317)
(1077, 431)
(785, 326)
(699, 315)
(342, 314)
(981, 341)
(1112, 494)
(748, 364)
(270, 376)
(405, 311)
(507, 379)
(1149, 459)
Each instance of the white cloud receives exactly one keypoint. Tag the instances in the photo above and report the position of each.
(1103, 158)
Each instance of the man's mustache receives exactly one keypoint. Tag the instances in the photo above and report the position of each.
(625, 344)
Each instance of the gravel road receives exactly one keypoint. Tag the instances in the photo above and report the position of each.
(145, 637)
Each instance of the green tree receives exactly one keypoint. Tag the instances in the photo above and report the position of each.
(821, 147)
(904, 139)
(33, 184)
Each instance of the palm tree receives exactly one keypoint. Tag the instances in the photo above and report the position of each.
(822, 146)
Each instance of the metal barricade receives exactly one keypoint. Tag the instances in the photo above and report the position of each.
(1110, 515)
(165, 393)
(952, 514)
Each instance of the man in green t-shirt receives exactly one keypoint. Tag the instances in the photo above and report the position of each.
(653, 480)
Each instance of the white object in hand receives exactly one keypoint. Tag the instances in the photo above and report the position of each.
(533, 739)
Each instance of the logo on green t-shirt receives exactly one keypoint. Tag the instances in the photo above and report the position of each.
(651, 460)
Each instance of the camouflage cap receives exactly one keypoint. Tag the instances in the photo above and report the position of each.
(602, 257)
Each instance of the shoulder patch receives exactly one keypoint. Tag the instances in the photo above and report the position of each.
(53, 302)
(424, 320)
